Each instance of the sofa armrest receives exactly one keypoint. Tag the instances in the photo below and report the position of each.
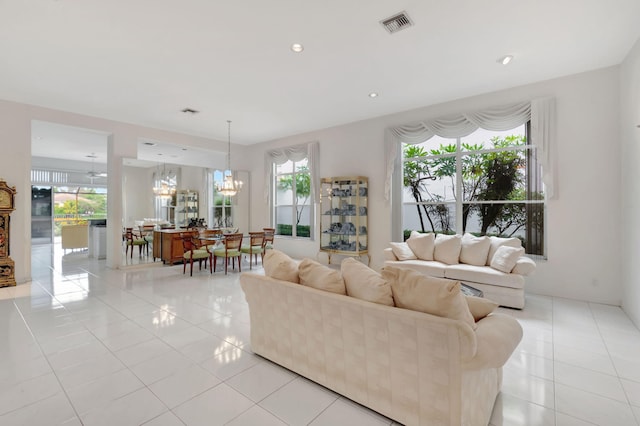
(388, 254)
(524, 266)
(497, 336)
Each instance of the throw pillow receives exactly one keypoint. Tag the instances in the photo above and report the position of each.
(280, 266)
(447, 249)
(505, 258)
(497, 242)
(364, 283)
(436, 296)
(316, 275)
(480, 307)
(474, 250)
(402, 251)
(422, 245)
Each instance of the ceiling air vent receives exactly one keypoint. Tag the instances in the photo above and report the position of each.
(397, 22)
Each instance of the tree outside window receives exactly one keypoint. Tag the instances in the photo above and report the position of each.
(486, 183)
(293, 210)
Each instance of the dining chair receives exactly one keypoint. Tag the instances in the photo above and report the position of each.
(193, 251)
(134, 240)
(146, 232)
(268, 238)
(231, 250)
(210, 238)
(255, 247)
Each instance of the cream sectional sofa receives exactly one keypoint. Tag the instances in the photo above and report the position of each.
(468, 259)
(413, 367)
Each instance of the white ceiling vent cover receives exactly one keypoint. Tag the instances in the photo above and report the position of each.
(397, 22)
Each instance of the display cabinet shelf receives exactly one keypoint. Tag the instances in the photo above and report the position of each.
(186, 208)
(344, 214)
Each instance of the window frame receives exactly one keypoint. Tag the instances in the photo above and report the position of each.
(294, 198)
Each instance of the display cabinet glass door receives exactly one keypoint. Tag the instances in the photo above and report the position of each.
(344, 214)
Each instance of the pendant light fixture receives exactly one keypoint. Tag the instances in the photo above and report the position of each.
(229, 186)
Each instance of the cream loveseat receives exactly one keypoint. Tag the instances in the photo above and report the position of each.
(497, 266)
(413, 367)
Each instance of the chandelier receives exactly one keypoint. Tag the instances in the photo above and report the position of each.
(165, 183)
(229, 186)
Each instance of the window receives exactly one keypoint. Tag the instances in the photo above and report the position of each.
(75, 204)
(222, 205)
(293, 204)
(486, 183)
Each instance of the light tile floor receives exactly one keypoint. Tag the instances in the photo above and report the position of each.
(87, 345)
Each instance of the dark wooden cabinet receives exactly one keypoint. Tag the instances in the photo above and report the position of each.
(167, 245)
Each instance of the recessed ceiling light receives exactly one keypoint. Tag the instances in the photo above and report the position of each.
(297, 47)
(504, 60)
(373, 95)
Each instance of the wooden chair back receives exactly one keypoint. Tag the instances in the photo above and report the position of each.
(268, 237)
(232, 241)
(256, 239)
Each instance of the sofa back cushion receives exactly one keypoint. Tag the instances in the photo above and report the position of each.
(422, 244)
(364, 283)
(435, 296)
(474, 250)
(497, 242)
(403, 251)
(280, 266)
(505, 258)
(447, 249)
(316, 275)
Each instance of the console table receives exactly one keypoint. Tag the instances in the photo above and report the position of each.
(167, 245)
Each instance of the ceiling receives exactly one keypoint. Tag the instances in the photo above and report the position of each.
(143, 61)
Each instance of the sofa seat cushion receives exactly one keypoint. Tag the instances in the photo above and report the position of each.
(484, 275)
(432, 268)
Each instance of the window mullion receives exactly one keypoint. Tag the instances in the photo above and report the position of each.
(459, 191)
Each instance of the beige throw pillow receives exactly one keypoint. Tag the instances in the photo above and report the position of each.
(364, 283)
(316, 275)
(505, 258)
(447, 249)
(497, 242)
(480, 307)
(436, 296)
(474, 250)
(402, 251)
(280, 266)
(422, 245)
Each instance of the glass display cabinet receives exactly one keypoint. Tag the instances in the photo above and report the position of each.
(186, 208)
(343, 216)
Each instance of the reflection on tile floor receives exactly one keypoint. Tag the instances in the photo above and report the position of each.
(87, 345)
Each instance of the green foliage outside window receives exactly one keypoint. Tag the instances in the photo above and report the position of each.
(486, 176)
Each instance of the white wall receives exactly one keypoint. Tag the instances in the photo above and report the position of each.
(630, 181)
(138, 201)
(583, 224)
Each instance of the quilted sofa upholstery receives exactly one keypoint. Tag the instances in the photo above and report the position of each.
(413, 367)
(505, 288)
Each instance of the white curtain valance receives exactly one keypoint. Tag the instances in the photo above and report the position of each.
(291, 153)
(541, 112)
